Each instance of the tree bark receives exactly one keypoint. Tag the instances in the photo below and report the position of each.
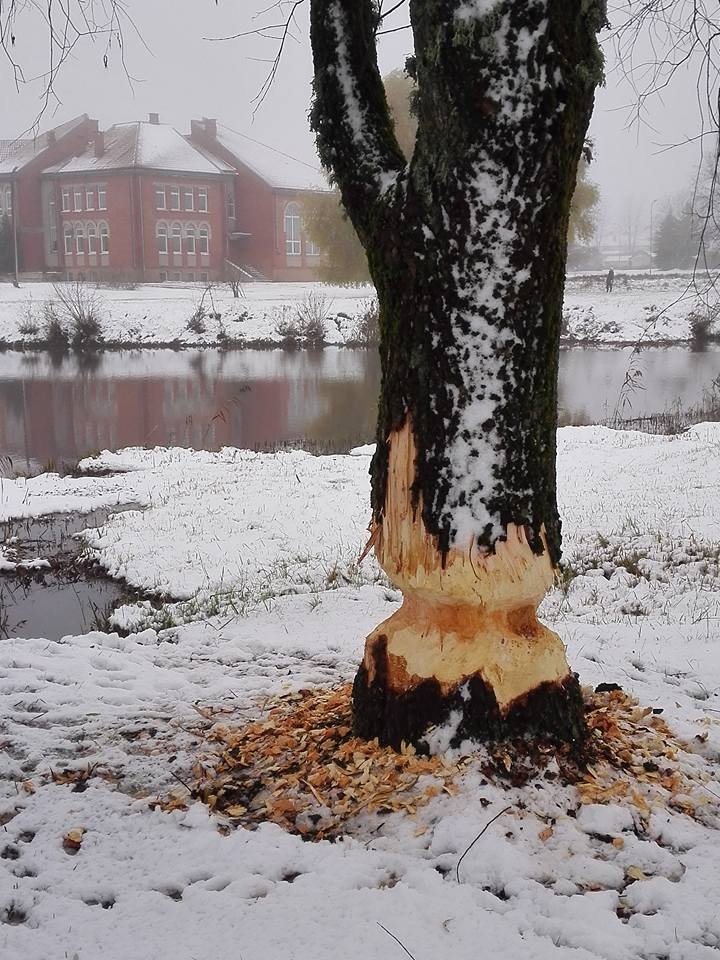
(467, 249)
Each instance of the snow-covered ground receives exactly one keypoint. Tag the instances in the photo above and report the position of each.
(655, 308)
(258, 553)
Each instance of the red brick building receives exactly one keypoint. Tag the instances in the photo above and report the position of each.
(142, 202)
(265, 220)
(22, 163)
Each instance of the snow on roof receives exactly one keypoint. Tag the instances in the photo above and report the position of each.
(15, 154)
(277, 169)
(144, 145)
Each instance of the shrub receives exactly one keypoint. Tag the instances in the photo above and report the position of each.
(366, 329)
(57, 338)
(196, 323)
(78, 306)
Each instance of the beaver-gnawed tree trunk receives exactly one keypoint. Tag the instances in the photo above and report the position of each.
(467, 248)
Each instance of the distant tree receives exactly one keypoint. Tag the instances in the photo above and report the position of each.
(581, 228)
(673, 243)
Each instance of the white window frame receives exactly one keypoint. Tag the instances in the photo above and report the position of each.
(188, 192)
(65, 194)
(292, 226)
(161, 233)
(79, 239)
(102, 198)
(174, 192)
(160, 197)
(204, 239)
(68, 239)
(190, 240)
(230, 204)
(202, 199)
(176, 239)
(91, 233)
(77, 199)
(89, 198)
(311, 249)
(104, 232)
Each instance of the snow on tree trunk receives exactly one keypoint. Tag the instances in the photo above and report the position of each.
(467, 249)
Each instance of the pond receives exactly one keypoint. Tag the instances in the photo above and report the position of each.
(56, 412)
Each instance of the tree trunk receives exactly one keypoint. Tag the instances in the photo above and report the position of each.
(467, 249)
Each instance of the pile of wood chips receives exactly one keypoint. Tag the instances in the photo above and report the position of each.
(302, 768)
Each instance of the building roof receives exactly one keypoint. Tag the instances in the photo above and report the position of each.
(15, 154)
(144, 145)
(277, 169)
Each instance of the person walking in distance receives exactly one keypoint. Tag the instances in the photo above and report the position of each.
(609, 280)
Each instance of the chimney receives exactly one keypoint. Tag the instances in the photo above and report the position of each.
(154, 118)
(99, 143)
(210, 127)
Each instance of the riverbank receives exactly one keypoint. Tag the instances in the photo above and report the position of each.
(103, 735)
(651, 309)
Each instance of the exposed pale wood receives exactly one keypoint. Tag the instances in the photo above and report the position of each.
(474, 615)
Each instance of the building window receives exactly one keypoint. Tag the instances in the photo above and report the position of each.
(79, 239)
(68, 239)
(53, 238)
(292, 230)
(163, 276)
(77, 196)
(92, 239)
(203, 199)
(191, 278)
(189, 198)
(204, 238)
(204, 278)
(312, 249)
(161, 232)
(104, 239)
(190, 240)
(102, 199)
(230, 203)
(89, 198)
(7, 196)
(66, 199)
(176, 239)
(174, 198)
(176, 277)
(160, 201)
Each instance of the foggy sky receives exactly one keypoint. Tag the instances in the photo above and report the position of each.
(180, 75)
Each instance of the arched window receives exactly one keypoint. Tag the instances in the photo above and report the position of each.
(190, 239)
(104, 238)
(68, 238)
(176, 238)
(204, 239)
(79, 238)
(161, 232)
(92, 239)
(292, 230)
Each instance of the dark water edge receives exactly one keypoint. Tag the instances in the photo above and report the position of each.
(55, 412)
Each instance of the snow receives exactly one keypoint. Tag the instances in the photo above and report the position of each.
(153, 146)
(274, 167)
(154, 314)
(551, 878)
(655, 309)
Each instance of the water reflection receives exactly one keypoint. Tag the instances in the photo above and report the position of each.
(55, 411)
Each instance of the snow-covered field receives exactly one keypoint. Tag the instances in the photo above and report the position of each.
(258, 554)
(655, 308)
